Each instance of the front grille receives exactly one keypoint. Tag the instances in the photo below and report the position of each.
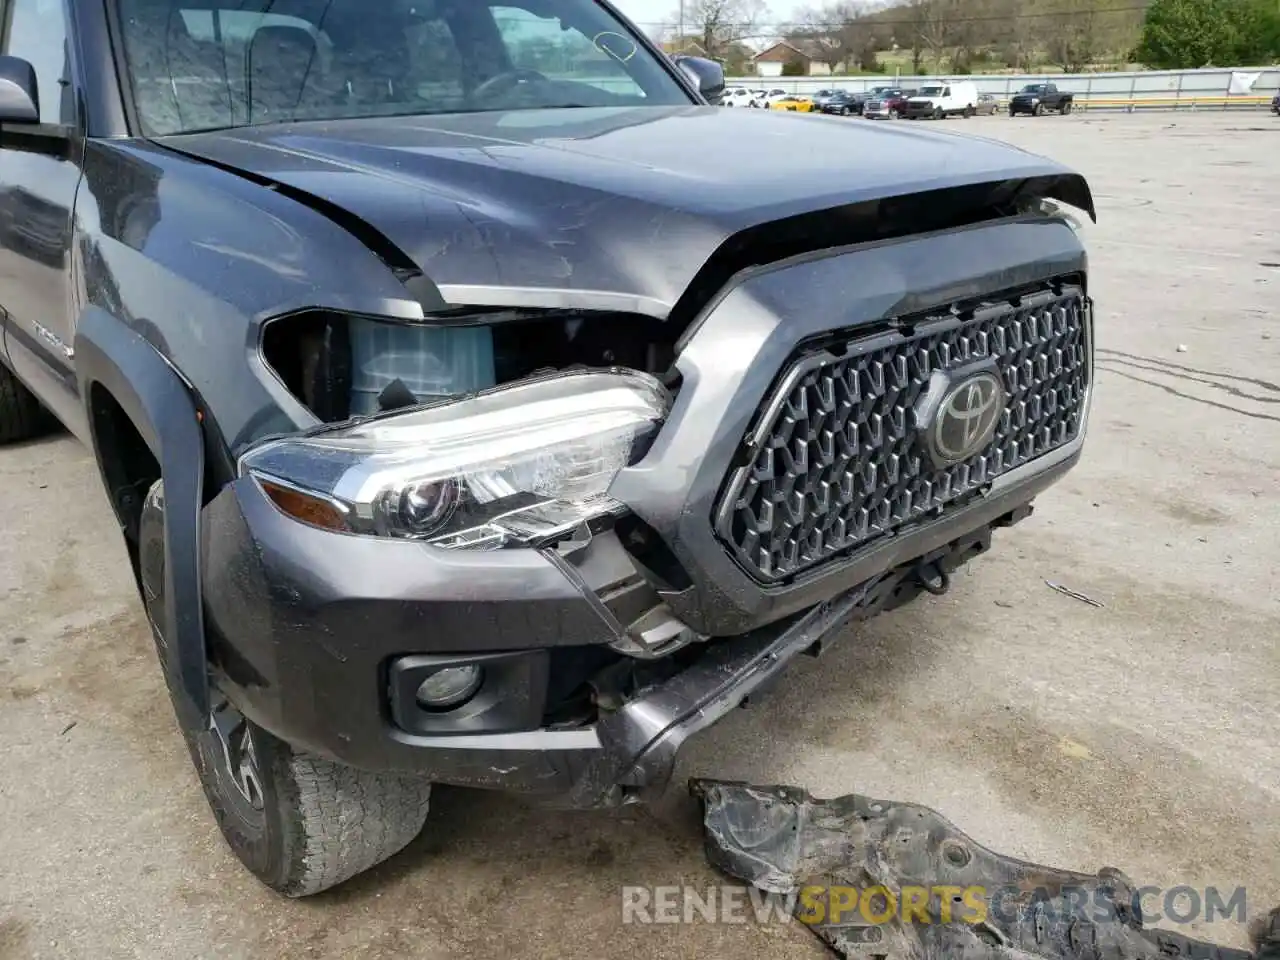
(837, 458)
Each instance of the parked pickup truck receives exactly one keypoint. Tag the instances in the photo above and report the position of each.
(468, 424)
(1036, 98)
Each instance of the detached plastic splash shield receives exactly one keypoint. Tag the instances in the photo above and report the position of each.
(783, 841)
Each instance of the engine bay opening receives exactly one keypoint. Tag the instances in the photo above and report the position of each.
(340, 366)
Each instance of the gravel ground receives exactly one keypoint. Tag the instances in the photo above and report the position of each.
(1142, 734)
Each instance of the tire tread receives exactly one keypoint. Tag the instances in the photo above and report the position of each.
(21, 416)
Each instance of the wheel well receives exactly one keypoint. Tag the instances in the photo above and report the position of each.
(128, 466)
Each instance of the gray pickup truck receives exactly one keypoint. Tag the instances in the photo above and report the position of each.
(481, 406)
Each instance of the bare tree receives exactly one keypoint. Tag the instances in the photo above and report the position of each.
(843, 30)
(917, 13)
(719, 24)
(1071, 31)
(937, 28)
(1014, 34)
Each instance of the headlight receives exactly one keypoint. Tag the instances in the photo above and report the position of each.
(512, 466)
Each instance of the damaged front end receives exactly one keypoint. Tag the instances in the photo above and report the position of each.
(549, 504)
(883, 880)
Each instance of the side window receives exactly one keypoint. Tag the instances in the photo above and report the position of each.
(36, 31)
(534, 43)
(946, 91)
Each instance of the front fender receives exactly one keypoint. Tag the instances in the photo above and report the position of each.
(111, 356)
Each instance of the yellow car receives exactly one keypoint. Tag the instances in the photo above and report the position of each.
(794, 104)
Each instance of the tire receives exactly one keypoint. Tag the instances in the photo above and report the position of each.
(893, 114)
(844, 111)
(300, 823)
(21, 416)
(969, 112)
(1066, 108)
(1013, 112)
(1038, 111)
(938, 114)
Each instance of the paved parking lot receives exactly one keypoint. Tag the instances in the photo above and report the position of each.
(1142, 734)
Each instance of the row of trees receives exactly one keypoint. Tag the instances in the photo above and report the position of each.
(1021, 34)
(959, 35)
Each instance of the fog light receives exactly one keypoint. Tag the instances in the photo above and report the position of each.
(449, 687)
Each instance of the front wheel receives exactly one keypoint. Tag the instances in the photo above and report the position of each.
(1066, 108)
(21, 416)
(844, 111)
(1038, 111)
(893, 114)
(969, 112)
(938, 114)
(299, 822)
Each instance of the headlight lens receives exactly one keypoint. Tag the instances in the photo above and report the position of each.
(512, 466)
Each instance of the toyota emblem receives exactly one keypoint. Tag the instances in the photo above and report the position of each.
(966, 417)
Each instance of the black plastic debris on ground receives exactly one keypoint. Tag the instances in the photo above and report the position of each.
(901, 861)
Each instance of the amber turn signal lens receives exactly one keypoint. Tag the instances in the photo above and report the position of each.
(304, 507)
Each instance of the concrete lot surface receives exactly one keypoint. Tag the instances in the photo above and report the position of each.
(1142, 734)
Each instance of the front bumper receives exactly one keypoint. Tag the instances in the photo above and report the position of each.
(914, 111)
(309, 658)
(305, 624)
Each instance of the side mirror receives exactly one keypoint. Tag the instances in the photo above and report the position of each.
(706, 75)
(19, 96)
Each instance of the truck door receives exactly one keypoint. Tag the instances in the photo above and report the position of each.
(40, 168)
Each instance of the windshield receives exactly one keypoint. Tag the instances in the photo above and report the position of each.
(210, 64)
(1033, 88)
(930, 91)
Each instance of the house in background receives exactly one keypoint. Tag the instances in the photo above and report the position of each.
(805, 58)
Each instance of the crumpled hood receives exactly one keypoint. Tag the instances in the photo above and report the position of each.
(626, 202)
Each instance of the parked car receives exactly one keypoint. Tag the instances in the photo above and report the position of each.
(821, 97)
(987, 105)
(889, 105)
(793, 103)
(842, 103)
(772, 96)
(757, 98)
(1036, 98)
(875, 93)
(736, 97)
(956, 98)
(416, 496)
(1275, 104)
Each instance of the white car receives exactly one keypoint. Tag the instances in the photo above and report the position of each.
(736, 97)
(771, 96)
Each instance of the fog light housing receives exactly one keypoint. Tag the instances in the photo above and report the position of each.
(450, 687)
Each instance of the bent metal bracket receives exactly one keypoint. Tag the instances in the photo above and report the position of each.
(783, 841)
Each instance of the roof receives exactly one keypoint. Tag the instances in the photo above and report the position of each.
(781, 52)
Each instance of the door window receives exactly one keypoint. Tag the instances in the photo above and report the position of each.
(37, 32)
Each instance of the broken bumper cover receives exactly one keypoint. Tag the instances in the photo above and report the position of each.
(304, 624)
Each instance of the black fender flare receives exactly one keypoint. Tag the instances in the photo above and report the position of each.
(109, 354)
